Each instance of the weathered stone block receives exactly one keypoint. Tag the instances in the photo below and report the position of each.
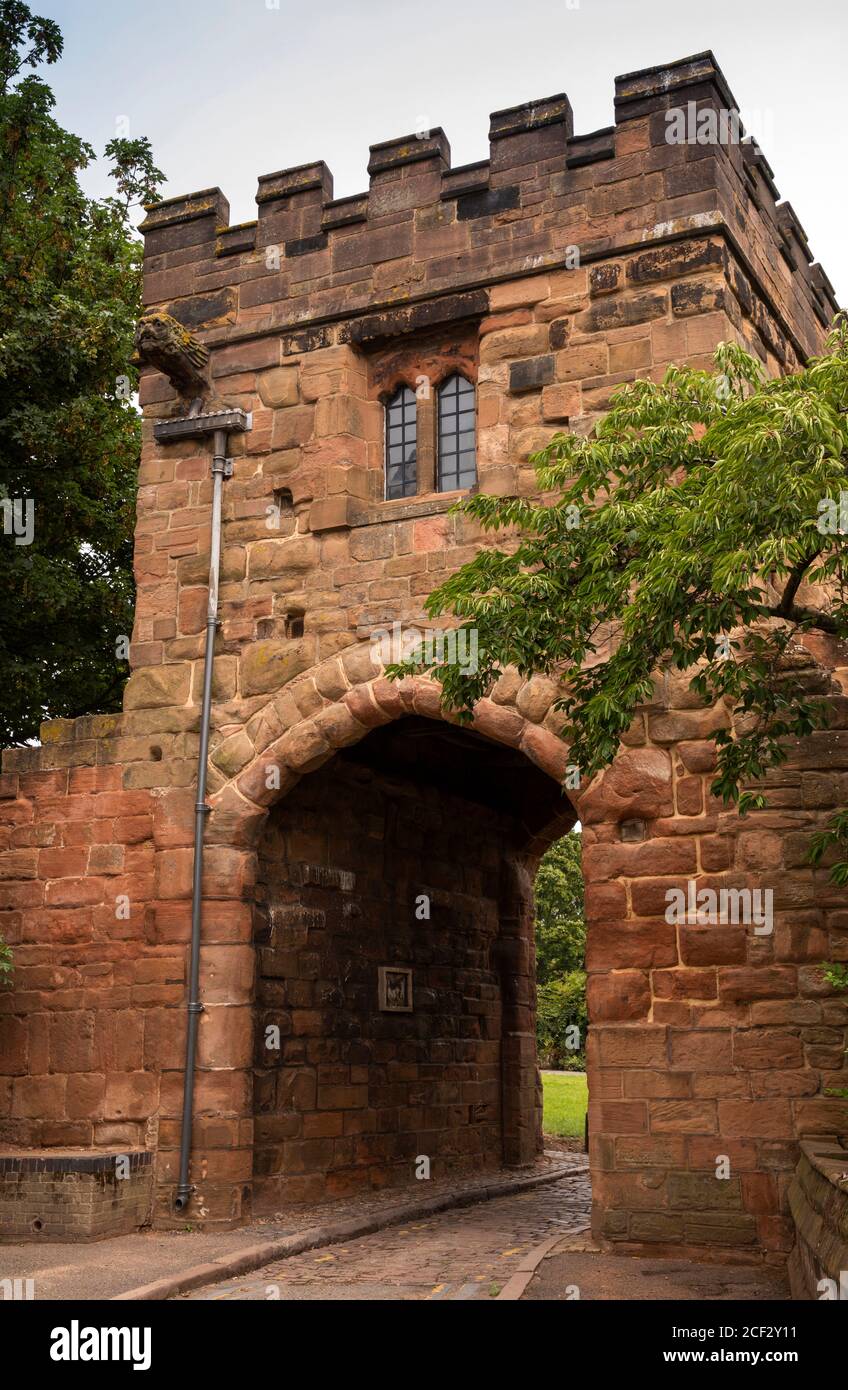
(267, 666)
(158, 687)
(531, 374)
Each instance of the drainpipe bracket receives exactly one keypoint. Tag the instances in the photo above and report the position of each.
(196, 1008)
(195, 426)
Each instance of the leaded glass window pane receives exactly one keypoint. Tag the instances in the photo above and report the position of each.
(401, 442)
(457, 435)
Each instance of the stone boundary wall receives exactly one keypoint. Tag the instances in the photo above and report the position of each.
(818, 1201)
(74, 1196)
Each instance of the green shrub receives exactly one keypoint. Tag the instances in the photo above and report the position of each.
(560, 1006)
(6, 965)
(836, 975)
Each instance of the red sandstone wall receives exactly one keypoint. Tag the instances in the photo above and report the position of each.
(709, 1041)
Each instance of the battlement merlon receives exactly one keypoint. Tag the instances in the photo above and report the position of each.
(424, 228)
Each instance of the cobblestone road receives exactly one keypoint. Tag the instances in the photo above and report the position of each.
(463, 1254)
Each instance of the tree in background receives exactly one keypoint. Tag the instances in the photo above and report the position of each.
(70, 435)
(560, 923)
(560, 956)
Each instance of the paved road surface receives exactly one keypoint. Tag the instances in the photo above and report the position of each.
(464, 1254)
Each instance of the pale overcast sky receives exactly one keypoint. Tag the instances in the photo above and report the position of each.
(227, 90)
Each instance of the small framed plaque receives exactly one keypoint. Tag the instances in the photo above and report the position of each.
(394, 989)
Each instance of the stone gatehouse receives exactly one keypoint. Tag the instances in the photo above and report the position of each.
(466, 314)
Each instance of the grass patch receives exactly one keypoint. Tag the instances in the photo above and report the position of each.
(565, 1100)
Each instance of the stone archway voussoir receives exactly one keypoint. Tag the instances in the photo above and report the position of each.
(546, 750)
(499, 722)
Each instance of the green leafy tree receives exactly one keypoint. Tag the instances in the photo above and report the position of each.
(70, 285)
(560, 956)
(700, 527)
(560, 923)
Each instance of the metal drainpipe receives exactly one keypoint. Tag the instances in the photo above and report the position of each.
(221, 469)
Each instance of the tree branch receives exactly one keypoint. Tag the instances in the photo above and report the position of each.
(794, 583)
(811, 617)
(795, 613)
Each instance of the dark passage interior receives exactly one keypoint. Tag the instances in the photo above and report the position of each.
(395, 1021)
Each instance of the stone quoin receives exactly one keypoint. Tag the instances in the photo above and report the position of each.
(340, 799)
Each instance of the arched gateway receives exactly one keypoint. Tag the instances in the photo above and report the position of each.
(365, 987)
(409, 854)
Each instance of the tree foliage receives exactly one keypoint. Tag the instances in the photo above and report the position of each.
(561, 1021)
(6, 963)
(70, 289)
(560, 955)
(560, 923)
(700, 527)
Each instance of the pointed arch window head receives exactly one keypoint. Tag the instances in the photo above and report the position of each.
(401, 445)
(457, 441)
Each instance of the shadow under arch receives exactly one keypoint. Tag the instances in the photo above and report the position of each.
(393, 926)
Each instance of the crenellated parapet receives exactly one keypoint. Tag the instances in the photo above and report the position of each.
(544, 195)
